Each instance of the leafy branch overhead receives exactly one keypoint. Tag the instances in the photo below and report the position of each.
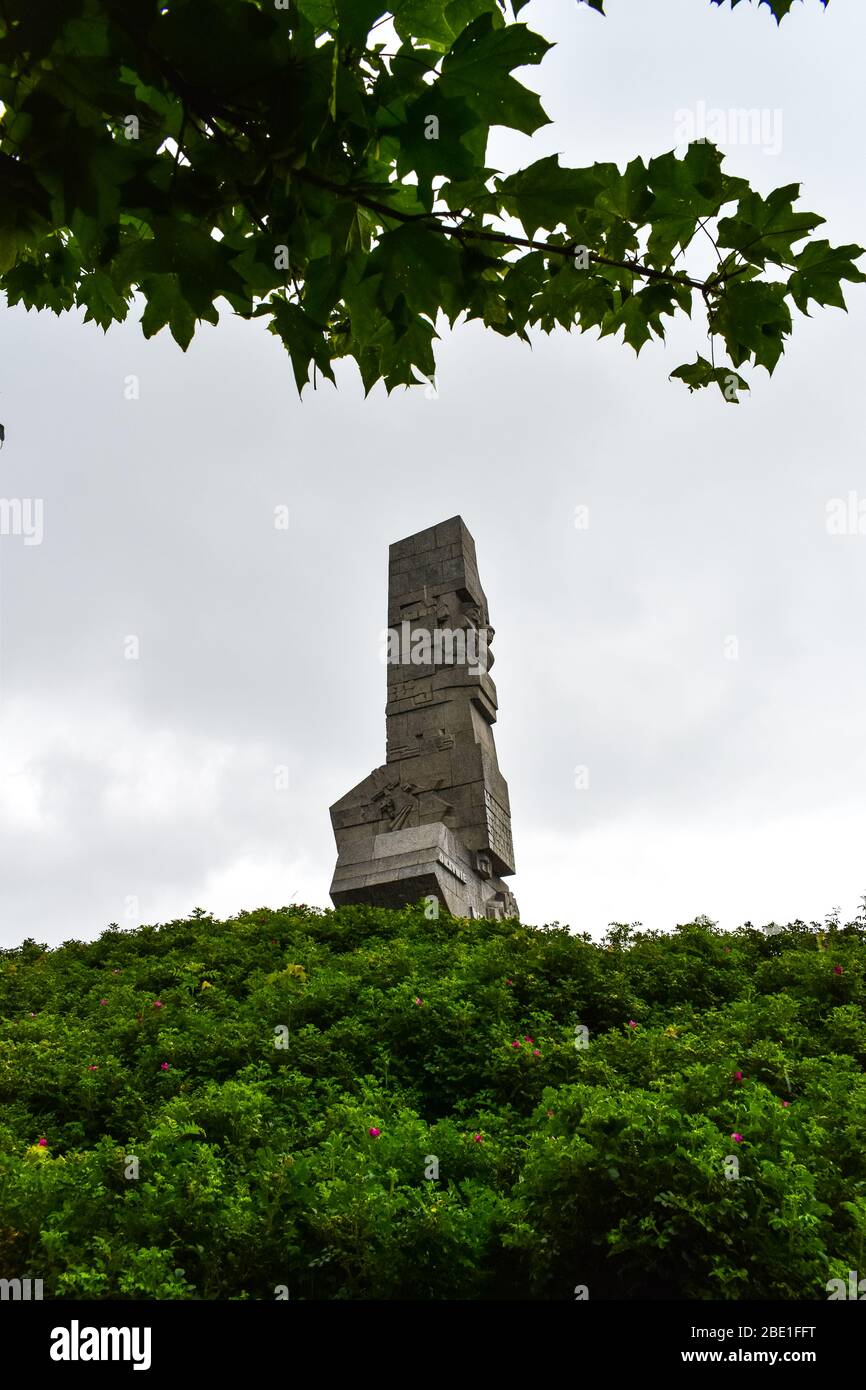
(322, 164)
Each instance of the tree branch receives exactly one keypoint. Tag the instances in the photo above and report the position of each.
(505, 239)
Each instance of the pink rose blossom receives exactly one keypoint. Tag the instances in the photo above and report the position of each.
(92, 1067)
(515, 1043)
(631, 1023)
(737, 1138)
(738, 1076)
(837, 970)
(374, 1132)
(164, 1066)
(479, 1139)
(158, 1004)
(42, 1143)
(536, 1052)
(785, 1104)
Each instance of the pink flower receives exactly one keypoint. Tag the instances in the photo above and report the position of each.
(515, 1043)
(536, 1052)
(737, 1138)
(164, 1066)
(837, 970)
(374, 1132)
(42, 1143)
(478, 1138)
(92, 1068)
(738, 1076)
(527, 1038)
(509, 982)
(418, 999)
(103, 1001)
(157, 1004)
(631, 1023)
(785, 1104)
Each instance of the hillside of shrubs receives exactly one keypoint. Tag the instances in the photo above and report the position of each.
(367, 1104)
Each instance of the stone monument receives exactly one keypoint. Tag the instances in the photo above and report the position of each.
(435, 820)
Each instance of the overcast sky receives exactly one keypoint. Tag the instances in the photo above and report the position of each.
(698, 648)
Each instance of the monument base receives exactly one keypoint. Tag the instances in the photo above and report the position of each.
(419, 862)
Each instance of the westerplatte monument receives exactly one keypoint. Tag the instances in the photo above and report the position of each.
(435, 820)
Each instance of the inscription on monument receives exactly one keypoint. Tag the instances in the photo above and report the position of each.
(498, 827)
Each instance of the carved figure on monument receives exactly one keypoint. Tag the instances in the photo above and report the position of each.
(436, 818)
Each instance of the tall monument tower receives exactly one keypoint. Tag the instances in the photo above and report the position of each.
(435, 819)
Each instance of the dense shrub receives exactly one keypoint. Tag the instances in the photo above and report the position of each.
(222, 1109)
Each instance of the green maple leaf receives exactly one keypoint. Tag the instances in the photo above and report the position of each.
(420, 267)
(202, 265)
(640, 314)
(89, 38)
(694, 182)
(304, 339)
(322, 14)
(425, 22)
(820, 270)
(626, 195)
(554, 303)
(477, 68)
(765, 229)
(519, 286)
(357, 17)
(362, 297)
(630, 317)
(323, 286)
(439, 22)
(593, 301)
(46, 282)
(101, 299)
(402, 357)
(684, 191)
(166, 304)
(701, 373)
(256, 266)
(546, 195)
(24, 209)
(432, 140)
(754, 320)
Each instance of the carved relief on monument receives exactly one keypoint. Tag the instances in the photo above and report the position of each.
(441, 775)
(399, 802)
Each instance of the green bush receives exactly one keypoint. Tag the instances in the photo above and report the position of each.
(190, 1111)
